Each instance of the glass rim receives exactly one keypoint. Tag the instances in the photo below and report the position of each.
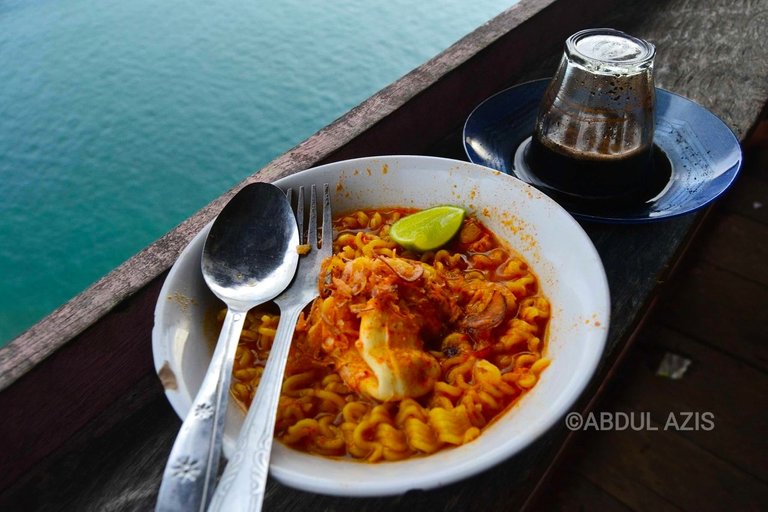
(640, 61)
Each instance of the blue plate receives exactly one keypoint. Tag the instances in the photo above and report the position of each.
(700, 155)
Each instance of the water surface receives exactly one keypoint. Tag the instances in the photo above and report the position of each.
(119, 119)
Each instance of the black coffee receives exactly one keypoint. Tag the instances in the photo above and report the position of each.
(586, 176)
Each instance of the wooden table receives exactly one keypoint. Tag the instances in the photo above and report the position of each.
(85, 424)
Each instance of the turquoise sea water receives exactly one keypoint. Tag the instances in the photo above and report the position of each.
(119, 119)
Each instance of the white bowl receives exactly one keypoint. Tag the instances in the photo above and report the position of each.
(571, 276)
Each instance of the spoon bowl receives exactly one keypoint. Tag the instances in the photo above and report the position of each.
(249, 257)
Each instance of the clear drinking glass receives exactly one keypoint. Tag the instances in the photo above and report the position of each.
(594, 132)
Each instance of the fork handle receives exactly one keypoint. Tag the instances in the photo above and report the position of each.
(190, 473)
(245, 478)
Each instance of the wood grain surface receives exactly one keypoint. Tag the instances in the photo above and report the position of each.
(709, 315)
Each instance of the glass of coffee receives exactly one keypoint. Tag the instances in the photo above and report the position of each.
(593, 136)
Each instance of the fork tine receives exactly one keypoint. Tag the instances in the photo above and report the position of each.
(300, 215)
(327, 230)
(312, 228)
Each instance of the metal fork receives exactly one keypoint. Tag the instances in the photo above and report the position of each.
(244, 480)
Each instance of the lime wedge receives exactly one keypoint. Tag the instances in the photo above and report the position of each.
(428, 229)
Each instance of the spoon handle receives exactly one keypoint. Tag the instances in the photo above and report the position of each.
(245, 478)
(193, 464)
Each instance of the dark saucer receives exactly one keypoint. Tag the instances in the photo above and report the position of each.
(696, 156)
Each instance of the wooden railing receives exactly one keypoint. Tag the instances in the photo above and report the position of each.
(77, 375)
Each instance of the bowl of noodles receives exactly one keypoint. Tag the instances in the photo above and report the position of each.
(412, 369)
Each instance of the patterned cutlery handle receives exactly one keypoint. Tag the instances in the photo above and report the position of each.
(193, 465)
(245, 478)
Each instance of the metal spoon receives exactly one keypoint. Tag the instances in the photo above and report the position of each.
(249, 257)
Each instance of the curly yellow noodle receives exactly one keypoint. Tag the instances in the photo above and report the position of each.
(330, 440)
(420, 436)
(393, 455)
(505, 388)
(441, 401)
(532, 314)
(540, 365)
(391, 437)
(376, 221)
(303, 428)
(459, 373)
(331, 398)
(450, 424)
(293, 384)
(409, 408)
(362, 218)
(447, 390)
(363, 435)
(290, 414)
(344, 239)
(471, 434)
(349, 222)
(354, 412)
(481, 260)
(447, 259)
(380, 414)
(527, 380)
(485, 372)
(474, 275)
(334, 384)
(249, 335)
(518, 332)
(487, 401)
(376, 454)
(510, 378)
(521, 286)
(240, 391)
(525, 360)
(498, 256)
(482, 374)
(348, 252)
(330, 445)
(243, 357)
(359, 241)
(471, 403)
(354, 449)
(267, 331)
(513, 268)
(248, 373)
(498, 390)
